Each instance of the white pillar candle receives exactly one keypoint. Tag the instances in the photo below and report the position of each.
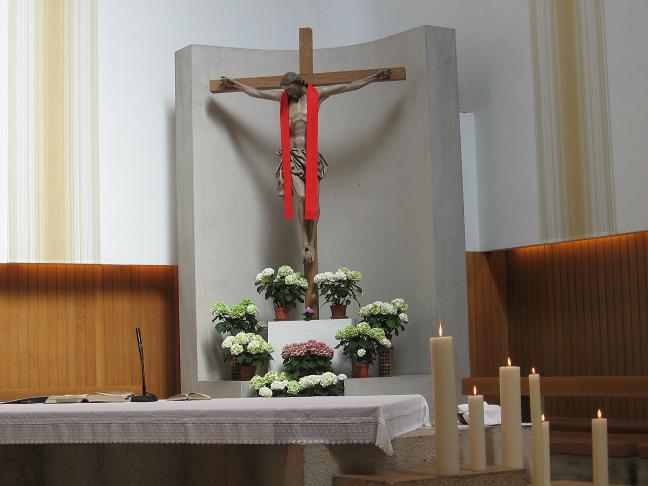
(445, 404)
(600, 451)
(536, 429)
(546, 453)
(510, 399)
(477, 433)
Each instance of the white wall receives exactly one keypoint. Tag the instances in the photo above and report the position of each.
(470, 181)
(137, 42)
(627, 66)
(3, 128)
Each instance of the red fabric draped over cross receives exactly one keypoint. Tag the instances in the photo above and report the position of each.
(311, 210)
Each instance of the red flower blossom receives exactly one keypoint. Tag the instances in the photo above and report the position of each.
(312, 347)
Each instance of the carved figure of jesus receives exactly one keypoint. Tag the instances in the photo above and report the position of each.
(295, 87)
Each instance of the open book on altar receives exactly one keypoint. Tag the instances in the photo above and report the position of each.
(189, 396)
(97, 397)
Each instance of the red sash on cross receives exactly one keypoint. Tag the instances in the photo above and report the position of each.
(311, 210)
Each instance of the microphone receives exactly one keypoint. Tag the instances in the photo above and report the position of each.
(145, 396)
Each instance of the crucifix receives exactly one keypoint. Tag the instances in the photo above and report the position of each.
(301, 166)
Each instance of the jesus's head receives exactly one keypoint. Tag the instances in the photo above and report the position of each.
(294, 85)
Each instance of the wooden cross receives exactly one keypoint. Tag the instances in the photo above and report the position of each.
(316, 79)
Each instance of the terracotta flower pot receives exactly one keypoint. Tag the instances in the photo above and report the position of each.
(360, 370)
(282, 313)
(247, 372)
(338, 311)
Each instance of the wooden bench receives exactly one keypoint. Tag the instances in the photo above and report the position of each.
(568, 386)
(573, 435)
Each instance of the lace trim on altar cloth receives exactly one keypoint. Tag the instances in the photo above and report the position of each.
(378, 432)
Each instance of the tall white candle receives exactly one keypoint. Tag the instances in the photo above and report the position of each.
(546, 453)
(477, 433)
(600, 451)
(445, 404)
(510, 401)
(536, 429)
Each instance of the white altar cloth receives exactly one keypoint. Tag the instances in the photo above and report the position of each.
(308, 420)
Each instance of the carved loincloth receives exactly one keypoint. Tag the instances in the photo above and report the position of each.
(298, 167)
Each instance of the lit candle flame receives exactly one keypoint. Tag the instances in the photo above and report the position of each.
(599, 413)
(509, 361)
(543, 417)
(533, 371)
(440, 330)
(474, 390)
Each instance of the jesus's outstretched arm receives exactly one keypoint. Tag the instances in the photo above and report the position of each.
(250, 91)
(327, 91)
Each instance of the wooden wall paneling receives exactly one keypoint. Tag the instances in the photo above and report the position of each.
(501, 316)
(576, 308)
(80, 329)
(603, 273)
(5, 330)
(471, 258)
(12, 306)
(642, 288)
(70, 328)
(136, 318)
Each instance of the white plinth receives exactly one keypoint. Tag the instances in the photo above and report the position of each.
(281, 333)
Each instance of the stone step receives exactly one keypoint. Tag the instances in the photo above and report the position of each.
(426, 477)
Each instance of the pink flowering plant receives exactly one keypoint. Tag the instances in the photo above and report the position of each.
(307, 358)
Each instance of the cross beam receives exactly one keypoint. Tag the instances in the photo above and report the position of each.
(316, 79)
(306, 70)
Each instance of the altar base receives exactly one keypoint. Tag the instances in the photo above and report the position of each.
(253, 465)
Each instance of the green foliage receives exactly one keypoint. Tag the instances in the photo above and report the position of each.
(336, 390)
(241, 317)
(297, 367)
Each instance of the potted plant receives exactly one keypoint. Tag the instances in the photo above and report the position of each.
(274, 384)
(308, 358)
(241, 317)
(362, 343)
(250, 351)
(285, 287)
(391, 318)
(338, 289)
(308, 314)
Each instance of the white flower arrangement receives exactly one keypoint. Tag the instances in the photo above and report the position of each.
(285, 287)
(389, 316)
(340, 287)
(362, 342)
(274, 384)
(265, 392)
(247, 349)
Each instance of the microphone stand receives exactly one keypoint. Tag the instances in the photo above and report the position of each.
(145, 396)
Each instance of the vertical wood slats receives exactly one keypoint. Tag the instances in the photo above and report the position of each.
(568, 309)
(70, 328)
